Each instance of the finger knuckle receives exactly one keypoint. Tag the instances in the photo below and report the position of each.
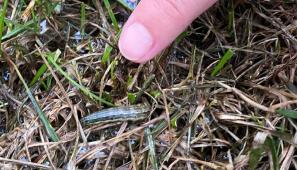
(172, 8)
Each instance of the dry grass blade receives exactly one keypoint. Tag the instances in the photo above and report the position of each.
(208, 164)
(115, 140)
(171, 149)
(123, 127)
(79, 127)
(83, 89)
(223, 95)
(245, 98)
(33, 165)
(152, 150)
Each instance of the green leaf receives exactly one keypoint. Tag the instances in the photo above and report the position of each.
(227, 56)
(287, 113)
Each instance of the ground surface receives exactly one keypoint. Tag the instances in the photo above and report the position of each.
(238, 117)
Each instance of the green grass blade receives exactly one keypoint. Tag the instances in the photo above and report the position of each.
(112, 16)
(254, 157)
(18, 29)
(43, 68)
(125, 5)
(106, 54)
(114, 64)
(270, 143)
(144, 87)
(49, 129)
(230, 17)
(227, 56)
(131, 97)
(39, 73)
(48, 83)
(173, 122)
(2, 17)
(152, 150)
(35, 22)
(74, 83)
(82, 18)
(181, 37)
(287, 113)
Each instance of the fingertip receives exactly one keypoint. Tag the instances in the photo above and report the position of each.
(155, 24)
(135, 42)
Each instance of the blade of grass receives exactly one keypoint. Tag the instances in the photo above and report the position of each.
(158, 128)
(49, 129)
(74, 83)
(82, 19)
(230, 17)
(33, 24)
(287, 113)
(114, 64)
(8, 23)
(272, 146)
(131, 97)
(108, 49)
(48, 83)
(112, 16)
(18, 29)
(43, 68)
(106, 54)
(254, 157)
(145, 85)
(131, 8)
(2, 17)
(227, 56)
(152, 150)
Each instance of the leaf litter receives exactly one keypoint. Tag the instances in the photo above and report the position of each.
(222, 96)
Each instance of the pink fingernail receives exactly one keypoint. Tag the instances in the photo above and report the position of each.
(135, 42)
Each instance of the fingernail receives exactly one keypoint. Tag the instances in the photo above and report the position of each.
(135, 42)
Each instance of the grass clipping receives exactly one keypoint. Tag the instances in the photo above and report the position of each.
(222, 96)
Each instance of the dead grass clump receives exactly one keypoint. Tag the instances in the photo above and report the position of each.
(240, 116)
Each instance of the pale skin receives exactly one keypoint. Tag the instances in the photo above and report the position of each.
(155, 24)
